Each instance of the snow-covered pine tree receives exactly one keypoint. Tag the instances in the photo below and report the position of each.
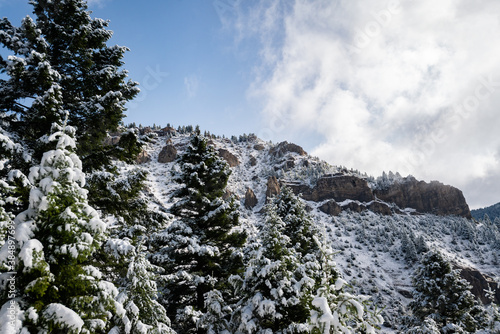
(428, 326)
(138, 290)
(291, 284)
(64, 44)
(56, 289)
(62, 51)
(12, 182)
(201, 249)
(299, 225)
(442, 295)
(272, 300)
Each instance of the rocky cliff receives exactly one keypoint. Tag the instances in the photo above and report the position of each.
(434, 197)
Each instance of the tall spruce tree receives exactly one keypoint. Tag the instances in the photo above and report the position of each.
(63, 45)
(442, 295)
(56, 288)
(201, 248)
(273, 298)
(291, 284)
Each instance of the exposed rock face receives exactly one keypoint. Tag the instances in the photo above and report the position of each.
(167, 131)
(231, 159)
(143, 157)
(331, 208)
(259, 147)
(144, 131)
(227, 194)
(336, 187)
(250, 199)
(112, 140)
(253, 161)
(480, 284)
(284, 147)
(334, 209)
(273, 187)
(434, 197)
(167, 154)
(379, 207)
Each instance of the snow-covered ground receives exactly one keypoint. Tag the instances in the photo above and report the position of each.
(376, 254)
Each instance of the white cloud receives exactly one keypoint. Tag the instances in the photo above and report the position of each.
(409, 86)
(191, 83)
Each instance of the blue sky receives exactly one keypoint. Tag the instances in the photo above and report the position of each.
(379, 85)
(186, 62)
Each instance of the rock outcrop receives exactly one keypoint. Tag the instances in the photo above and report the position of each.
(167, 154)
(230, 158)
(250, 199)
(336, 187)
(479, 284)
(380, 207)
(143, 157)
(433, 197)
(259, 147)
(273, 187)
(284, 147)
(331, 208)
(112, 140)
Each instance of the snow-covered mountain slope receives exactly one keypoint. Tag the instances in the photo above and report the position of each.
(378, 249)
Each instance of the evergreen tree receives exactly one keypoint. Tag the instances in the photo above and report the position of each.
(273, 299)
(428, 326)
(57, 290)
(443, 296)
(299, 225)
(200, 250)
(138, 290)
(63, 49)
(409, 248)
(12, 182)
(291, 284)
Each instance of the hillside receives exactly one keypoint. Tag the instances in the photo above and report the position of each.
(492, 211)
(379, 226)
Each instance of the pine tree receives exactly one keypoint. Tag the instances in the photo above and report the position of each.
(57, 290)
(299, 225)
(63, 49)
(138, 290)
(12, 182)
(442, 295)
(199, 250)
(272, 298)
(428, 326)
(291, 284)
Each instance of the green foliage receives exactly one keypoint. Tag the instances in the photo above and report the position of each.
(60, 61)
(273, 297)
(200, 250)
(55, 237)
(442, 295)
(291, 284)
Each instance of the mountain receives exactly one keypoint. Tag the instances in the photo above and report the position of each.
(378, 226)
(492, 211)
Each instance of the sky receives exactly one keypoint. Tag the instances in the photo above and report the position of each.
(400, 85)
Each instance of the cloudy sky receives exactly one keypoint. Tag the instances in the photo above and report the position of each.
(407, 86)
